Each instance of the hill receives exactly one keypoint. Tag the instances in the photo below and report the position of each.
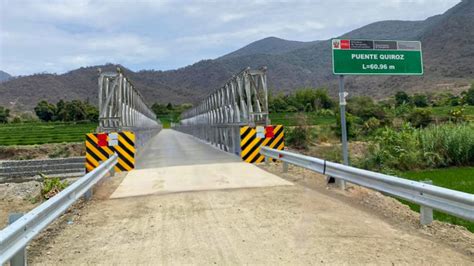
(4, 76)
(448, 53)
(269, 45)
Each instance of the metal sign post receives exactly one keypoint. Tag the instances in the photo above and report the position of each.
(345, 151)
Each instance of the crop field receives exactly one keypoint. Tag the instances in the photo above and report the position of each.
(461, 179)
(41, 133)
(443, 111)
(291, 119)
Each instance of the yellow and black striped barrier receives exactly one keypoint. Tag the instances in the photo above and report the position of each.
(251, 138)
(99, 146)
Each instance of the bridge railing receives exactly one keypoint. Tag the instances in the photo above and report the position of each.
(15, 237)
(122, 107)
(243, 100)
(429, 197)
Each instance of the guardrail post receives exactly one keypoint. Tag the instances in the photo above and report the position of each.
(426, 213)
(88, 194)
(112, 171)
(267, 160)
(20, 257)
(285, 167)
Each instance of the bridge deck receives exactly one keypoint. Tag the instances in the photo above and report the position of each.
(173, 148)
(264, 221)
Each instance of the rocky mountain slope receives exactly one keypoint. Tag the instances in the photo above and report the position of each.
(4, 76)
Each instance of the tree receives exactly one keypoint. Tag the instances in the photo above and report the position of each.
(45, 111)
(420, 100)
(365, 108)
(92, 112)
(160, 109)
(75, 111)
(420, 117)
(60, 113)
(4, 114)
(277, 103)
(469, 96)
(401, 97)
(323, 101)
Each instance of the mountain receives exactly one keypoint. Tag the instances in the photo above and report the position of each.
(4, 76)
(269, 45)
(448, 51)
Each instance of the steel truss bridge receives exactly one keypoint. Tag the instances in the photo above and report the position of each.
(243, 100)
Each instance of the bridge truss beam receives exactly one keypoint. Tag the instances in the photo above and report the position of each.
(243, 100)
(122, 107)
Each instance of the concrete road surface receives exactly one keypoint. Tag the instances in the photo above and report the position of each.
(172, 148)
(261, 220)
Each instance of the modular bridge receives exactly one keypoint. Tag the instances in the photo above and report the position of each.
(196, 194)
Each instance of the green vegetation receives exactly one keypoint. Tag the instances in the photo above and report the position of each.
(313, 118)
(302, 100)
(300, 136)
(52, 186)
(461, 179)
(4, 114)
(409, 148)
(41, 133)
(74, 110)
(169, 113)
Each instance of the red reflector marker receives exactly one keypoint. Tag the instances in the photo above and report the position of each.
(269, 132)
(102, 140)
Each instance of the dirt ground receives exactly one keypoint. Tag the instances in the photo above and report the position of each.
(387, 208)
(302, 224)
(17, 198)
(44, 151)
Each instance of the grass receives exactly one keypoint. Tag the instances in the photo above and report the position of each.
(461, 179)
(443, 111)
(42, 133)
(289, 119)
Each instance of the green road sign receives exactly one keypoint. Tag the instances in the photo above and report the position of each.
(369, 57)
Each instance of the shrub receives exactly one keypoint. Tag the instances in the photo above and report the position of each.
(401, 97)
(468, 96)
(457, 115)
(370, 126)
(420, 117)
(52, 186)
(300, 136)
(393, 149)
(365, 108)
(351, 125)
(420, 100)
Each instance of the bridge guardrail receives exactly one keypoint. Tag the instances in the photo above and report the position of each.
(457, 203)
(15, 237)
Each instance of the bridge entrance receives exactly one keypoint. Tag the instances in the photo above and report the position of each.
(177, 162)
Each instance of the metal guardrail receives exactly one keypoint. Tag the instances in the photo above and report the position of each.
(14, 238)
(429, 197)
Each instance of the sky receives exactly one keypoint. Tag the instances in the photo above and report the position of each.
(58, 36)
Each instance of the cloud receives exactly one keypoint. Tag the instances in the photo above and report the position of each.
(59, 35)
